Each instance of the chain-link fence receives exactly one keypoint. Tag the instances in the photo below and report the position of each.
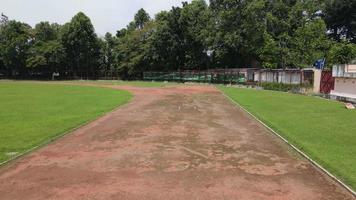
(194, 76)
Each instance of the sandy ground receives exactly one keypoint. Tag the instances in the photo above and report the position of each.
(186, 142)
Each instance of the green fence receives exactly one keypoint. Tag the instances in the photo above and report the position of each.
(202, 77)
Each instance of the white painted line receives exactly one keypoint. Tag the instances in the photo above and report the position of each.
(194, 152)
(294, 147)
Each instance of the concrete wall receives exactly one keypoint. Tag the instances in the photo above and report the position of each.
(345, 81)
(345, 87)
(289, 77)
(317, 80)
(286, 77)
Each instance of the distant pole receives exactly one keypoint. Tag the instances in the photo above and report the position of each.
(209, 53)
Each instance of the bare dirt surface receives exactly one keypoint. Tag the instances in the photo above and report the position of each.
(186, 142)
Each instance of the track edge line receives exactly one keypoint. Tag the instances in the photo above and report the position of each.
(62, 135)
(348, 188)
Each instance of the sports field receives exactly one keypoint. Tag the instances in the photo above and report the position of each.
(178, 142)
(33, 113)
(323, 129)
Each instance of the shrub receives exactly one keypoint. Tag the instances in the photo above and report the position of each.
(284, 87)
(342, 53)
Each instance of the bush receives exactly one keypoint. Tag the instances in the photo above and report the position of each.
(342, 53)
(284, 87)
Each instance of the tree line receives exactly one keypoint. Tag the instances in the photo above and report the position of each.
(194, 36)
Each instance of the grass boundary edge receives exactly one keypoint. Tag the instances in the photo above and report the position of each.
(348, 188)
(65, 133)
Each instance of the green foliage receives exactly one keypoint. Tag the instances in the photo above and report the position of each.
(310, 43)
(131, 52)
(107, 53)
(81, 45)
(323, 129)
(178, 42)
(44, 31)
(32, 114)
(254, 33)
(46, 53)
(14, 43)
(50, 54)
(284, 87)
(141, 18)
(341, 19)
(274, 34)
(269, 52)
(342, 53)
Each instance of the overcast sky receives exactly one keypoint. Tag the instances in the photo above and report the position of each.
(106, 15)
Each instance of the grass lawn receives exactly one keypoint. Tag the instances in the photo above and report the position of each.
(323, 129)
(33, 113)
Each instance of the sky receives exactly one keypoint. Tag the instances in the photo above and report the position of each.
(106, 15)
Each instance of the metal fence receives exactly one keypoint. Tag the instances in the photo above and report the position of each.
(196, 76)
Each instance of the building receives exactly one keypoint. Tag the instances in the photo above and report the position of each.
(345, 81)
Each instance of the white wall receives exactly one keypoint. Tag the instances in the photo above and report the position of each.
(345, 85)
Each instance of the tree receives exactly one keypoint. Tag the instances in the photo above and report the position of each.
(132, 52)
(310, 43)
(269, 52)
(340, 18)
(178, 41)
(3, 19)
(46, 54)
(44, 31)
(239, 33)
(14, 43)
(342, 53)
(168, 44)
(225, 32)
(193, 21)
(296, 34)
(107, 52)
(141, 18)
(81, 45)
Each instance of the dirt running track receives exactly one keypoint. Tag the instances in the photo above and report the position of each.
(186, 143)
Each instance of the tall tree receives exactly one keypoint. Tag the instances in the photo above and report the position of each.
(342, 53)
(108, 55)
(193, 21)
(14, 43)
(341, 19)
(81, 45)
(225, 32)
(167, 44)
(309, 43)
(178, 41)
(141, 18)
(132, 52)
(44, 31)
(3, 21)
(47, 53)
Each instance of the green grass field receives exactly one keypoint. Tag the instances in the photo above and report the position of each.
(33, 113)
(323, 129)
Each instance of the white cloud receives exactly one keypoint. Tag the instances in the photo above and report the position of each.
(106, 15)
